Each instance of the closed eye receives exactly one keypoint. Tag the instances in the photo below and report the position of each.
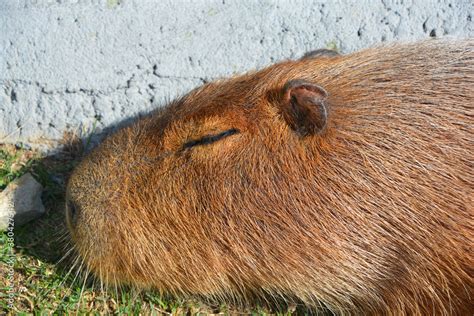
(209, 139)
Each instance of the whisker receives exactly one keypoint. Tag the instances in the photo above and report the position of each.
(82, 288)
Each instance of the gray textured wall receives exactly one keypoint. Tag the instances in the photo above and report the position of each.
(67, 64)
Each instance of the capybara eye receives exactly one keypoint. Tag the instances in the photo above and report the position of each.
(209, 139)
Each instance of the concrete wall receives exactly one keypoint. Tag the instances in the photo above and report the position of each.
(75, 64)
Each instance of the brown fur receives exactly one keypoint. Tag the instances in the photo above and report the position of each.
(374, 215)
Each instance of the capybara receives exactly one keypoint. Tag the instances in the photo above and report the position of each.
(341, 182)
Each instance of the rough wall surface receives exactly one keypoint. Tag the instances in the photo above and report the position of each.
(77, 65)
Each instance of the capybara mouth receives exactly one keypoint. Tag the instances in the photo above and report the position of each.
(342, 181)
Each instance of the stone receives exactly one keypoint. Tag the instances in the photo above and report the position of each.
(21, 200)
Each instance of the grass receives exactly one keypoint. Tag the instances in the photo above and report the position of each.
(41, 285)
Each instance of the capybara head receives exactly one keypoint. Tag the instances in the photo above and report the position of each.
(343, 182)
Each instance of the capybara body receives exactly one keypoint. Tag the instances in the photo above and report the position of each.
(342, 182)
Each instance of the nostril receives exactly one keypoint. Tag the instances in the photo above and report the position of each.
(71, 213)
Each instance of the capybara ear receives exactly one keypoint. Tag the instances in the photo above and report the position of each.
(322, 52)
(304, 108)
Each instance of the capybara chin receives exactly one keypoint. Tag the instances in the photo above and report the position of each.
(337, 181)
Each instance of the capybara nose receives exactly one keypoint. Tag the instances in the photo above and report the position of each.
(71, 214)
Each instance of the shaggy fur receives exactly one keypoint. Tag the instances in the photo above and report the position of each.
(374, 215)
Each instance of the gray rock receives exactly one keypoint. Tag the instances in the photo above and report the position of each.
(22, 201)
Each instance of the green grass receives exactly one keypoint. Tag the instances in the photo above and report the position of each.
(41, 285)
(10, 168)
